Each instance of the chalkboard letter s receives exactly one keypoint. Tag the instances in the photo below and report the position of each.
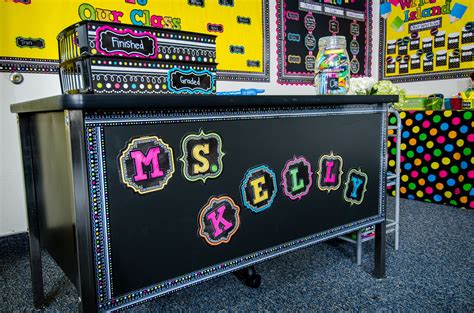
(203, 165)
(202, 156)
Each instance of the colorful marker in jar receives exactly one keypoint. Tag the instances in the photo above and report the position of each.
(332, 66)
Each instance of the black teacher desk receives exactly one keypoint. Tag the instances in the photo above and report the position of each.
(138, 196)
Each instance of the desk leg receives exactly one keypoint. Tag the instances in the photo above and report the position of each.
(32, 212)
(379, 268)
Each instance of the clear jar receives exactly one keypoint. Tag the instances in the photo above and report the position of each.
(332, 70)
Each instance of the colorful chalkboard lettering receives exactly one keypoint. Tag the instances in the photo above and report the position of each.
(309, 22)
(198, 3)
(294, 37)
(355, 186)
(330, 172)
(125, 42)
(202, 156)
(297, 178)
(237, 49)
(229, 3)
(295, 59)
(244, 20)
(23, 42)
(295, 16)
(190, 81)
(146, 164)
(219, 220)
(333, 26)
(253, 63)
(215, 28)
(259, 188)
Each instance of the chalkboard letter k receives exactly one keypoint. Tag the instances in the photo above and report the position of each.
(217, 221)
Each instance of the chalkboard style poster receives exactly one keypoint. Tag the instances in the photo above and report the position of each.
(30, 28)
(302, 22)
(423, 40)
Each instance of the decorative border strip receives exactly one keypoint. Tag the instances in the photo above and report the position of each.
(383, 158)
(99, 211)
(198, 48)
(146, 117)
(27, 65)
(100, 222)
(304, 78)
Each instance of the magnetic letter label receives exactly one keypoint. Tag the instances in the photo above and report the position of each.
(202, 156)
(259, 188)
(330, 172)
(146, 164)
(219, 220)
(355, 186)
(297, 178)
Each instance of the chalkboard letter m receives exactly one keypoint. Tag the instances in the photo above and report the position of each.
(141, 160)
(146, 164)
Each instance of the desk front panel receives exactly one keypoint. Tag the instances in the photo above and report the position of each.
(179, 197)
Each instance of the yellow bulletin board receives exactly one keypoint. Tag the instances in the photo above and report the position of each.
(426, 39)
(29, 29)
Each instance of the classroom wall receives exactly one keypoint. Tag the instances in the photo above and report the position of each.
(12, 200)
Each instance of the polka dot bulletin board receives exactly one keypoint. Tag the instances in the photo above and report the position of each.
(437, 163)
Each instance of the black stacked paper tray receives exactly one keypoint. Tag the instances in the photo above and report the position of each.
(98, 57)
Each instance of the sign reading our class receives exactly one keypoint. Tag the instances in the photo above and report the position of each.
(147, 165)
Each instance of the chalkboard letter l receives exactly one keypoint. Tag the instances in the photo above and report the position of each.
(297, 184)
(329, 178)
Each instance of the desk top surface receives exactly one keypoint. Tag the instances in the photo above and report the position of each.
(148, 102)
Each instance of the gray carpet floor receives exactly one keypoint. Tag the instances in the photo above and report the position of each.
(433, 271)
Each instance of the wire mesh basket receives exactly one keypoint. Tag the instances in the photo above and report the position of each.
(98, 54)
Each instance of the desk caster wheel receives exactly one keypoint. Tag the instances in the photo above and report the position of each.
(249, 277)
(253, 281)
